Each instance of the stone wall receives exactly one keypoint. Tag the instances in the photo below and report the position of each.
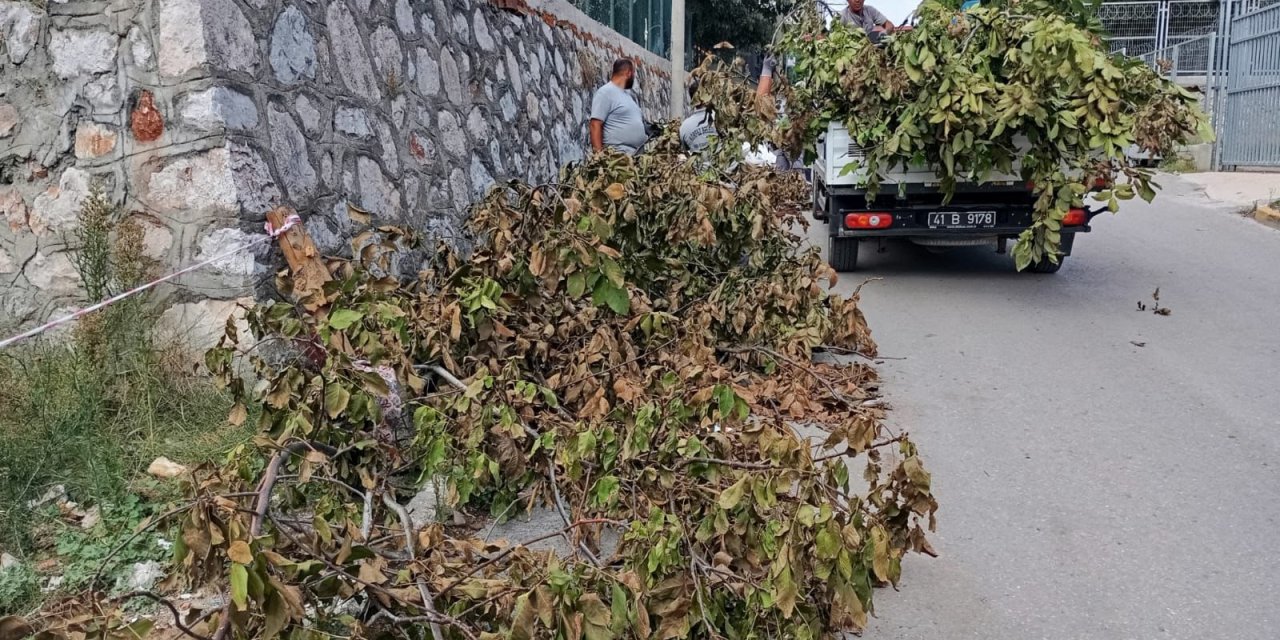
(199, 116)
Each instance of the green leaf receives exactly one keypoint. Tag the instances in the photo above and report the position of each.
(618, 607)
(606, 490)
(612, 271)
(342, 319)
(577, 284)
(275, 612)
(785, 593)
(730, 497)
(828, 543)
(240, 586)
(336, 399)
(616, 298)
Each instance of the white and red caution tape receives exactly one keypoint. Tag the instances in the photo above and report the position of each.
(272, 233)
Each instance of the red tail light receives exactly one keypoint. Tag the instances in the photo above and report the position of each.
(870, 220)
(1075, 218)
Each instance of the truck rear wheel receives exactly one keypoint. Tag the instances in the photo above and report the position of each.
(1045, 266)
(842, 254)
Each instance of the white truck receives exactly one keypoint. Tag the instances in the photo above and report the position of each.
(909, 205)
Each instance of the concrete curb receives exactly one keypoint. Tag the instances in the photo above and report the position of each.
(1267, 215)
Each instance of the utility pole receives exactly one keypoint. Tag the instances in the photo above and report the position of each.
(677, 59)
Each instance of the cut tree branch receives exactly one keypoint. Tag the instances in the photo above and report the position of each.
(177, 617)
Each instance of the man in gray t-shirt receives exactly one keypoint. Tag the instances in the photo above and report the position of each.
(616, 120)
(867, 18)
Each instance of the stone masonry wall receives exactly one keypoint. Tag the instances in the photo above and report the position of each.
(199, 116)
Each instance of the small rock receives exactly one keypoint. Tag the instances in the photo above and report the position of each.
(229, 35)
(390, 154)
(352, 121)
(290, 149)
(82, 52)
(7, 561)
(451, 134)
(378, 195)
(387, 56)
(241, 264)
(308, 113)
(428, 74)
(461, 29)
(58, 208)
(477, 126)
(8, 119)
(13, 209)
(90, 518)
(481, 180)
(219, 106)
(181, 50)
(94, 140)
(451, 77)
(7, 263)
(483, 38)
(404, 18)
(55, 274)
(163, 467)
(349, 53)
(199, 325)
(140, 46)
(104, 94)
(293, 48)
(20, 28)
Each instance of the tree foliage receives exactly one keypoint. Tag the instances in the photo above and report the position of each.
(971, 93)
(632, 346)
(747, 24)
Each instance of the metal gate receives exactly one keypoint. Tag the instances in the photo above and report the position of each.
(1251, 120)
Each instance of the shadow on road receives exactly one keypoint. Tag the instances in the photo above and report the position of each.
(904, 257)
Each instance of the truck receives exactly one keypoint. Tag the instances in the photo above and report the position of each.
(910, 205)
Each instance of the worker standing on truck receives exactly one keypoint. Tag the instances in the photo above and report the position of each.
(869, 19)
(616, 120)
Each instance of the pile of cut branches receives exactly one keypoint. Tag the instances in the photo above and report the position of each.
(971, 93)
(633, 346)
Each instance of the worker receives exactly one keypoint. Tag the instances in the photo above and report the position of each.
(616, 120)
(869, 19)
(697, 129)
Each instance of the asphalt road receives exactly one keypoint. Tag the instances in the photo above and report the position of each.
(1089, 487)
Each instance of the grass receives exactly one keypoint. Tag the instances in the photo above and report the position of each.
(91, 411)
(1178, 164)
(94, 427)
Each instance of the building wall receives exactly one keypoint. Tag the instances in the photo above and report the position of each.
(199, 116)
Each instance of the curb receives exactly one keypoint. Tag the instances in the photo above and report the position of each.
(1267, 215)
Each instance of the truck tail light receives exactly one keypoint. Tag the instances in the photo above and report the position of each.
(1075, 218)
(871, 220)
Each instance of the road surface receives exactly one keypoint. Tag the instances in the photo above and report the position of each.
(1090, 487)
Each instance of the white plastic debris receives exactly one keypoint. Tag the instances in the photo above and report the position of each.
(53, 493)
(163, 467)
(145, 575)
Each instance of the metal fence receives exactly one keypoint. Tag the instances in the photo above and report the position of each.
(1250, 122)
(1143, 28)
(645, 22)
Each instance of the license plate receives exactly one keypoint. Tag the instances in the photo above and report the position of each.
(962, 219)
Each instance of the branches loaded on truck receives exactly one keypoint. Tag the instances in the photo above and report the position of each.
(998, 122)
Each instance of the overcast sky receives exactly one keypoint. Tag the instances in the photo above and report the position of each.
(894, 10)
